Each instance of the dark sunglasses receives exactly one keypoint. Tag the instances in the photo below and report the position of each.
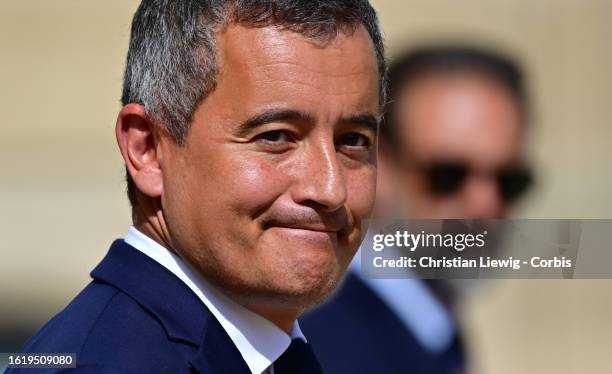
(446, 178)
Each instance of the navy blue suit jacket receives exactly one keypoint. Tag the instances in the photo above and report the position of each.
(137, 317)
(356, 332)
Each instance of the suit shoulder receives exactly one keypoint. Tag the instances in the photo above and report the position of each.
(68, 330)
(107, 328)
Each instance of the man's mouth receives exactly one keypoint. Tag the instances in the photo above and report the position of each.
(309, 226)
(313, 234)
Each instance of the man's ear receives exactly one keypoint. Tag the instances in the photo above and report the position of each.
(138, 142)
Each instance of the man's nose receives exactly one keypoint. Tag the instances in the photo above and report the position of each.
(321, 182)
(483, 199)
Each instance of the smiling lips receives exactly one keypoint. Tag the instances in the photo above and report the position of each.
(316, 235)
(310, 226)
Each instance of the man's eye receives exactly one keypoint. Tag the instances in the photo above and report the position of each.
(276, 136)
(355, 139)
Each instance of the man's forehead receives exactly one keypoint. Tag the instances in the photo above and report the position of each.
(263, 66)
(462, 116)
(349, 52)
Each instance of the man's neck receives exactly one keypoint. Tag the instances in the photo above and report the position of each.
(148, 218)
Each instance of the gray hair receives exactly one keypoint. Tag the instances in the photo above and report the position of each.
(171, 63)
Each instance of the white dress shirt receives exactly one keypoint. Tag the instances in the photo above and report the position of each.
(259, 341)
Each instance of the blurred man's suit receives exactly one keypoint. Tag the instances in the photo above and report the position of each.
(367, 328)
(135, 303)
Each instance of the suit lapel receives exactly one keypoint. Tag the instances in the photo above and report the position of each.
(181, 313)
(215, 355)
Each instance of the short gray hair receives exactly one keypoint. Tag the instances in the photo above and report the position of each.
(171, 63)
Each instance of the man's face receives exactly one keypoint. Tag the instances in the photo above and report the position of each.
(268, 195)
(461, 135)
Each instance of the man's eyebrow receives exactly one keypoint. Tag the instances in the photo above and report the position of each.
(291, 115)
(275, 115)
(365, 119)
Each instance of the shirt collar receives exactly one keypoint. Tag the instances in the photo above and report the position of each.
(259, 341)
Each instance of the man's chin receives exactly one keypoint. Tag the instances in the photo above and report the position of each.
(290, 274)
(297, 291)
(308, 294)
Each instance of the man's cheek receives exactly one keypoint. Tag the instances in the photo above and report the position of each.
(256, 185)
(362, 193)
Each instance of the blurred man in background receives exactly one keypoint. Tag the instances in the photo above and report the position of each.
(454, 134)
(451, 147)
